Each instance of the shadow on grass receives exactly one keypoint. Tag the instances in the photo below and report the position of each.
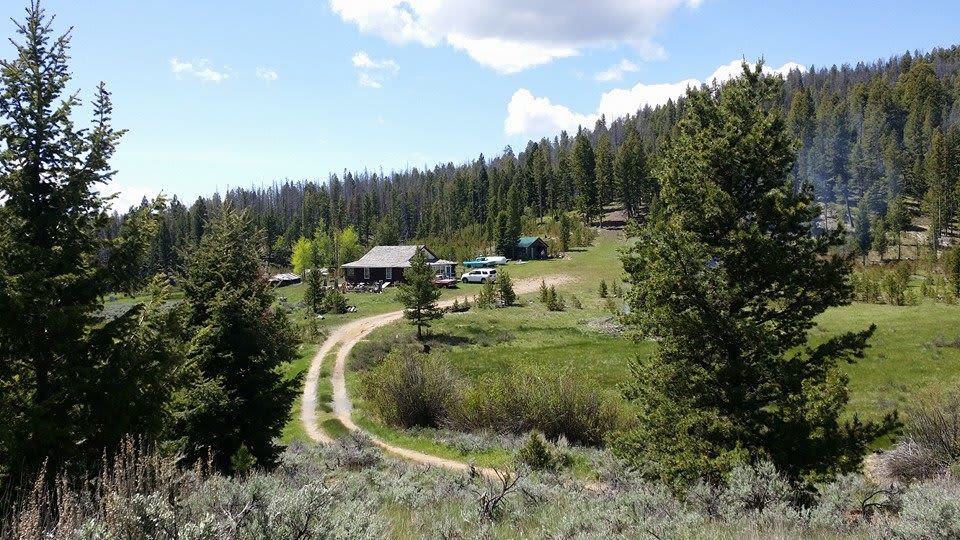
(334, 428)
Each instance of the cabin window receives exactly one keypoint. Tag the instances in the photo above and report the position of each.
(366, 273)
(390, 273)
(349, 272)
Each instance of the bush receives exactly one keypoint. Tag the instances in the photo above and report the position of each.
(603, 289)
(540, 455)
(575, 302)
(950, 263)
(551, 298)
(929, 511)
(352, 451)
(334, 302)
(553, 404)
(931, 445)
(505, 288)
(370, 353)
(488, 296)
(616, 290)
(407, 390)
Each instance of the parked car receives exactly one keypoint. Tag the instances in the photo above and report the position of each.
(485, 262)
(481, 275)
(441, 280)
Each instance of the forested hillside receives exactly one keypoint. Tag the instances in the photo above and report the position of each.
(885, 133)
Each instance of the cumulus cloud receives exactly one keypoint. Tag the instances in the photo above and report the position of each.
(511, 36)
(199, 69)
(538, 116)
(372, 73)
(616, 71)
(126, 196)
(267, 74)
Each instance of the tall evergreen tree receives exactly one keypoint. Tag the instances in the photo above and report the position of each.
(862, 234)
(937, 199)
(239, 345)
(419, 295)
(584, 176)
(729, 280)
(631, 173)
(604, 172)
(898, 219)
(57, 352)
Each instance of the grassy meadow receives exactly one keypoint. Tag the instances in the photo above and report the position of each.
(914, 347)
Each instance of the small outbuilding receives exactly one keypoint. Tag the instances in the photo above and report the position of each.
(530, 248)
(282, 280)
(387, 263)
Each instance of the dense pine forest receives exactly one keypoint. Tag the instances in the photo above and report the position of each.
(879, 141)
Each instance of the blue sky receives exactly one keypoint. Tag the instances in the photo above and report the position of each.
(218, 94)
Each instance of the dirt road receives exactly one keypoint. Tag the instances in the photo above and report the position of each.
(346, 337)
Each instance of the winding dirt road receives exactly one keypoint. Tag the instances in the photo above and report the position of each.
(346, 337)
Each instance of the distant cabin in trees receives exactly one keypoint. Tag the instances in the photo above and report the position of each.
(530, 248)
(387, 263)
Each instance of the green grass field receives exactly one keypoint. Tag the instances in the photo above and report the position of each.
(914, 347)
(293, 430)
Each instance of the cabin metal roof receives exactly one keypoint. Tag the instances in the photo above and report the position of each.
(390, 257)
(527, 241)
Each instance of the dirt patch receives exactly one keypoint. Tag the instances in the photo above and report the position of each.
(528, 285)
(605, 325)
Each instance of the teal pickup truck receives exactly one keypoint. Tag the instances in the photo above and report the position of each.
(485, 262)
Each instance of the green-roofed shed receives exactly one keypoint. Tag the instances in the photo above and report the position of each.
(530, 247)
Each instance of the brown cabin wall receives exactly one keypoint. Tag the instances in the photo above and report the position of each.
(376, 274)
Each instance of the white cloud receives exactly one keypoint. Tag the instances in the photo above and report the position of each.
(616, 71)
(537, 116)
(369, 81)
(527, 114)
(267, 74)
(735, 68)
(199, 69)
(511, 36)
(126, 196)
(363, 61)
(372, 73)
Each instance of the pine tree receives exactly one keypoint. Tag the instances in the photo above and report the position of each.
(506, 240)
(878, 235)
(419, 295)
(584, 176)
(58, 355)
(565, 226)
(936, 201)
(862, 235)
(239, 344)
(604, 172)
(630, 171)
(898, 218)
(728, 279)
(315, 293)
(505, 287)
